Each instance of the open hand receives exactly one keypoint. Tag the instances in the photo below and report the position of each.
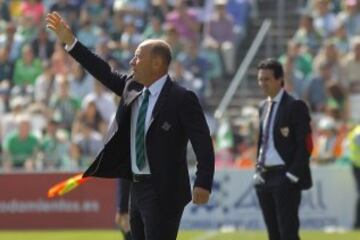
(62, 30)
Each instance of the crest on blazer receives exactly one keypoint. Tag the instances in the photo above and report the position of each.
(166, 126)
(285, 131)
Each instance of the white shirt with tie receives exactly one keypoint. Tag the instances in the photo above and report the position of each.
(272, 157)
(155, 90)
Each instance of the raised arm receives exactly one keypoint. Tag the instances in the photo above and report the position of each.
(96, 66)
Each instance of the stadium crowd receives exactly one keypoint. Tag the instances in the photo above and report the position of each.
(54, 115)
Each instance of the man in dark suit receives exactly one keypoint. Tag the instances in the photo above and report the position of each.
(147, 139)
(122, 211)
(284, 148)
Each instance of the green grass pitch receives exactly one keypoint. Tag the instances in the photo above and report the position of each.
(184, 235)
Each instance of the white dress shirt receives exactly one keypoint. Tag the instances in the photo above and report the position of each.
(272, 156)
(155, 90)
(69, 48)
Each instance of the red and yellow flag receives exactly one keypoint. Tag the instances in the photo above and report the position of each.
(66, 186)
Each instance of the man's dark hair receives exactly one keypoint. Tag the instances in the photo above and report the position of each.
(274, 65)
(163, 51)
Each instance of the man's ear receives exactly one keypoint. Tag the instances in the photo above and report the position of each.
(157, 62)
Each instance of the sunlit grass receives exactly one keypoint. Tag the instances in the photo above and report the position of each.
(184, 235)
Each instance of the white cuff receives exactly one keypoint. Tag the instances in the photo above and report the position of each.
(292, 177)
(69, 48)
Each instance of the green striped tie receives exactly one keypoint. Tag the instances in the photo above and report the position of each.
(140, 132)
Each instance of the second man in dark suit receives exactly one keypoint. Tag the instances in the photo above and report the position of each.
(284, 148)
(147, 140)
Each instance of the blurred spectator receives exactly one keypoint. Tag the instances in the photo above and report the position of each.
(102, 48)
(154, 29)
(88, 33)
(324, 18)
(4, 97)
(210, 52)
(221, 24)
(116, 28)
(8, 121)
(220, 30)
(39, 118)
(294, 80)
(21, 147)
(103, 100)
(44, 84)
(336, 105)
(130, 38)
(302, 60)
(341, 39)
(245, 138)
(195, 62)
(15, 8)
(307, 35)
(241, 11)
(135, 9)
(89, 142)
(68, 10)
(315, 93)
(98, 11)
(336, 6)
(186, 79)
(27, 28)
(350, 17)
(34, 9)
(185, 21)
(4, 11)
(329, 54)
(27, 68)
(159, 9)
(224, 144)
(63, 7)
(63, 106)
(59, 60)
(6, 69)
(54, 147)
(73, 158)
(351, 79)
(171, 36)
(42, 45)
(81, 83)
(89, 115)
(324, 141)
(11, 41)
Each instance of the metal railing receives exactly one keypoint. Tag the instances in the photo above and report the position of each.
(225, 101)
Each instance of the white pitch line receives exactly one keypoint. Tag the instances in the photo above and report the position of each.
(207, 235)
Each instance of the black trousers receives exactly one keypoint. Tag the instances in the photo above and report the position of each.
(279, 200)
(356, 172)
(148, 220)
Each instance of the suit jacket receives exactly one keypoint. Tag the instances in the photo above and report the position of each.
(176, 118)
(292, 137)
(123, 194)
